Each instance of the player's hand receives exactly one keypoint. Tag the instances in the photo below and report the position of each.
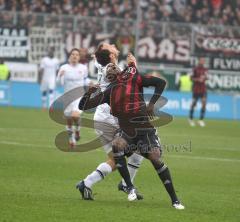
(93, 88)
(150, 110)
(131, 59)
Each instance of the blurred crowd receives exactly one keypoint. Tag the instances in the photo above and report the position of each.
(211, 12)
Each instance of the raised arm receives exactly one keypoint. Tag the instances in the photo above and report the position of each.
(156, 82)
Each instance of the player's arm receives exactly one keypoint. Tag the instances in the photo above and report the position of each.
(159, 85)
(87, 102)
(60, 76)
(156, 82)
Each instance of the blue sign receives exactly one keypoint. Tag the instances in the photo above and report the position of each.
(4, 93)
(218, 106)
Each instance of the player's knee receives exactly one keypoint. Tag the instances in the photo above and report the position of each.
(50, 91)
(111, 162)
(44, 93)
(119, 143)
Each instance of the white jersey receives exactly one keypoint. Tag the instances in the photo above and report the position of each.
(73, 76)
(102, 113)
(49, 67)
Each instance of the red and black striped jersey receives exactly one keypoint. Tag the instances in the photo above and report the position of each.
(125, 97)
(199, 78)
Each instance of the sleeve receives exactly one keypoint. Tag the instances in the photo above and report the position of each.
(87, 102)
(156, 82)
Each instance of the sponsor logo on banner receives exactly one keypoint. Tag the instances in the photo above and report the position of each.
(164, 50)
(14, 43)
(215, 44)
(23, 72)
(226, 64)
(223, 81)
(149, 49)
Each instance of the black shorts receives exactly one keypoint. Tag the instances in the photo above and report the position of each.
(199, 95)
(143, 142)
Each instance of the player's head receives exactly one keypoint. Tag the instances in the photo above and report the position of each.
(51, 52)
(106, 53)
(201, 61)
(74, 56)
(83, 53)
(112, 70)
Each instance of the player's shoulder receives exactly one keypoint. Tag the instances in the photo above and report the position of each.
(64, 66)
(56, 60)
(44, 59)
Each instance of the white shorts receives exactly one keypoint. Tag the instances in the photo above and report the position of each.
(48, 85)
(72, 107)
(105, 126)
(106, 133)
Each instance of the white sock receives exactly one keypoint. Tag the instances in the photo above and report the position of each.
(51, 98)
(44, 102)
(134, 162)
(69, 130)
(102, 171)
(77, 128)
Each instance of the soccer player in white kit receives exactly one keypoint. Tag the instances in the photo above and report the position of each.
(106, 125)
(48, 71)
(73, 75)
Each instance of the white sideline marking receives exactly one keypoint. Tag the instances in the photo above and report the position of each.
(171, 156)
(24, 144)
(204, 158)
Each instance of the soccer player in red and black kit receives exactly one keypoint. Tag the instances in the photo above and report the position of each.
(136, 134)
(199, 78)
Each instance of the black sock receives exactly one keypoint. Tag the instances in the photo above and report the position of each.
(202, 114)
(191, 113)
(164, 174)
(121, 164)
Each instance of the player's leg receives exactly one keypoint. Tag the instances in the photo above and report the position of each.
(51, 97)
(76, 113)
(44, 99)
(154, 155)
(76, 122)
(202, 112)
(69, 126)
(191, 113)
(44, 89)
(51, 87)
(70, 131)
(119, 146)
(133, 164)
(103, 169)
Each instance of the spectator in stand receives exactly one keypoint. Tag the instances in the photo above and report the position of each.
(220, 12)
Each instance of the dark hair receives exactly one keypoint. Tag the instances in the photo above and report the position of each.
(74, 49)
(102, 55)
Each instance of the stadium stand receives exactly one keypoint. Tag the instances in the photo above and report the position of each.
(211, 12)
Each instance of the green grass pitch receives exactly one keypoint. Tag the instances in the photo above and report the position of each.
(37, 181)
